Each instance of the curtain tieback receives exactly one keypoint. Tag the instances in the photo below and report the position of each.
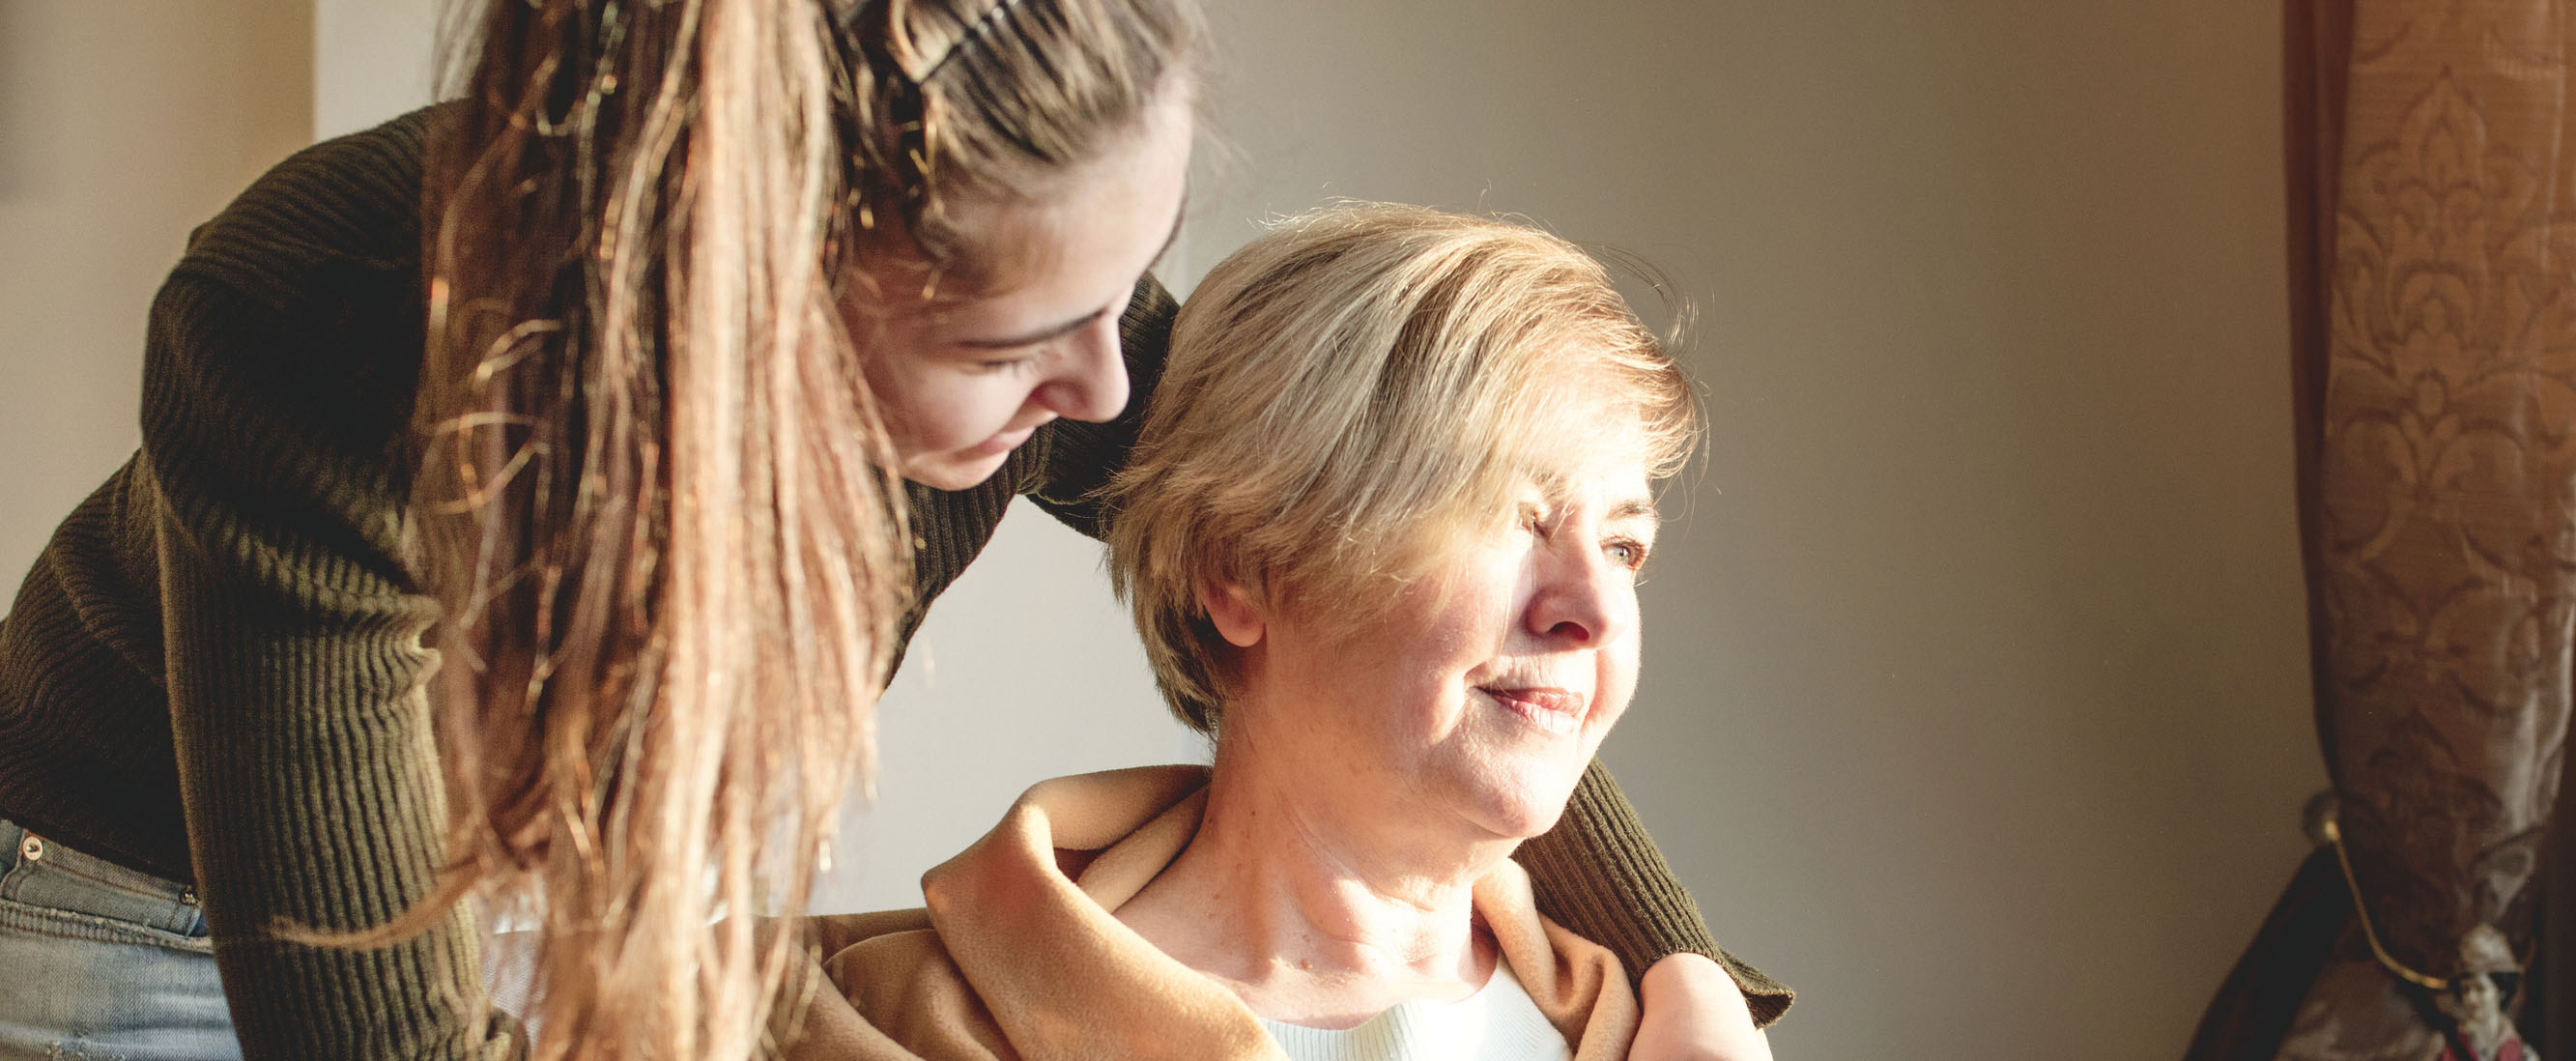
(2333, 834)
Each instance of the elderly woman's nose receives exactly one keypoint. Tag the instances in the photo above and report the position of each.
(1581, 599)
(1090, 381)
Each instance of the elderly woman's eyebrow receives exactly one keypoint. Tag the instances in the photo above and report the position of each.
(1636, 511)
(1636, 508)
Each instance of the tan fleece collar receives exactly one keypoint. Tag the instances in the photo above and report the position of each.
(1023, 955)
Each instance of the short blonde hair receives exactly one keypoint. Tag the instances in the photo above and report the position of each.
(1354, 394)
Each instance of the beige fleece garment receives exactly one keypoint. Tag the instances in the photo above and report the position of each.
(1020, 956)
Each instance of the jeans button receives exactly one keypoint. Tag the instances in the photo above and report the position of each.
(32, 848)
(188, 896)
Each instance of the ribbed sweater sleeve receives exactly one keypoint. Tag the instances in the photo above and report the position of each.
(1598, 873)
(294, 639)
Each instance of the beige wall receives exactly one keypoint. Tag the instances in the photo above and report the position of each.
(1974, 702)
(372, 59)
(123, 124)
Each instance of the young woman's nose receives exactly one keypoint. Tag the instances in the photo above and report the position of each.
(1090, 381)
(1582, 598)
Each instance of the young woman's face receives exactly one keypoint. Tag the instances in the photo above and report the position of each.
(963, 383)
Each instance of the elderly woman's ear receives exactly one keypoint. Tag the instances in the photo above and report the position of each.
(1232, 612)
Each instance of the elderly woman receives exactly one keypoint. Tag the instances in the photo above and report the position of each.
(1381, 536)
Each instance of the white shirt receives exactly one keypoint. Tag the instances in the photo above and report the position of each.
(1497, 1023)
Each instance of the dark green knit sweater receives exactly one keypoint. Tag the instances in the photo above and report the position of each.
(214, 671)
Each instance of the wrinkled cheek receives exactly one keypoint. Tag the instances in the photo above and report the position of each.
(1410, 732)
(1618, 685)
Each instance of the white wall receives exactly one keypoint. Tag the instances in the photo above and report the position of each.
(123, 124)
(1975, 704)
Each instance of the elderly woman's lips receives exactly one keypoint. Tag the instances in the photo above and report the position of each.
(1553, 710)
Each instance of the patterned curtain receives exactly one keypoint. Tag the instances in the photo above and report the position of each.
(2432, 192)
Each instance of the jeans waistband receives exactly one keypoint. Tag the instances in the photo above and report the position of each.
(40, 871)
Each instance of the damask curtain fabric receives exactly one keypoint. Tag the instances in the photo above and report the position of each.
(2432, 181)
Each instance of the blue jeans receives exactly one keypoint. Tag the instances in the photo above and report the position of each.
(100, 961)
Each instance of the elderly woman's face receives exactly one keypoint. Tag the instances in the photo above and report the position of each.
(1483, 694)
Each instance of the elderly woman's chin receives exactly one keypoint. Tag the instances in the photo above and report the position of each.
(1523, 811)
(1520, 790)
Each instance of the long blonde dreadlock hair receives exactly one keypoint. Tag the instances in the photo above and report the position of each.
(652, 491)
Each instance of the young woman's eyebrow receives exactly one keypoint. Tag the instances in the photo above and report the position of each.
(1069, 327)
(1053, 331)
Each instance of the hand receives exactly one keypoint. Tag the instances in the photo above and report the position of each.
(1693, 1012)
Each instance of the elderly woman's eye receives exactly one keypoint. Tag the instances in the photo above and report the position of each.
(1626, 552)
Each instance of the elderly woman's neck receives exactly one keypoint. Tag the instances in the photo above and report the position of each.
(1317, 906)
